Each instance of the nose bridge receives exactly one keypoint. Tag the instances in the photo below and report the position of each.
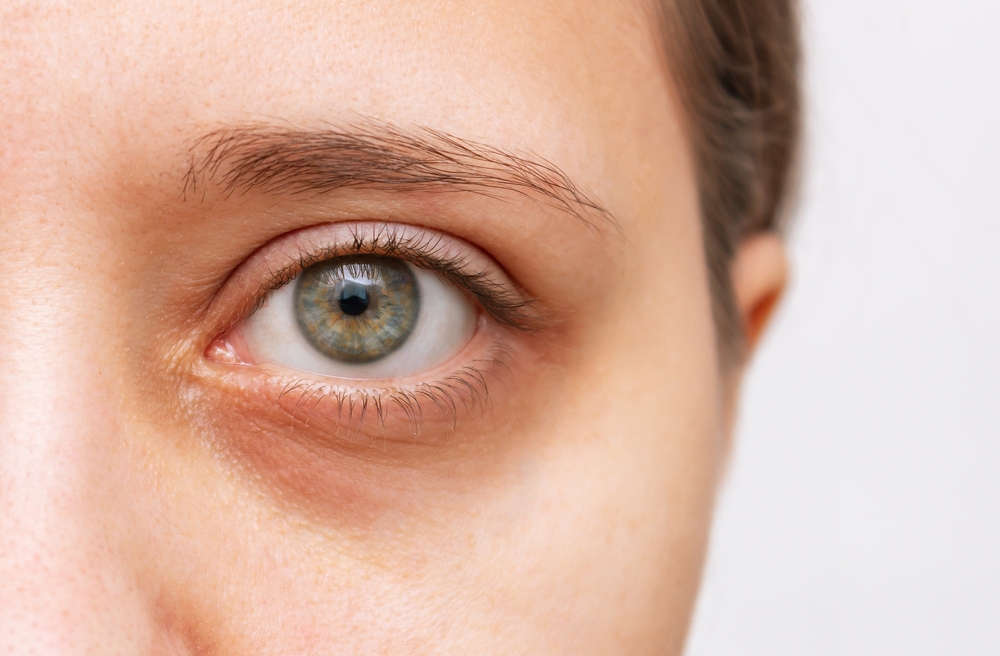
(65, 582)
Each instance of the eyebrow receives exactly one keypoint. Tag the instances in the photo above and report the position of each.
(374, 155)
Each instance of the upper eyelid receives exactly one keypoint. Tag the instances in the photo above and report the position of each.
(454, 259)
(500, 301)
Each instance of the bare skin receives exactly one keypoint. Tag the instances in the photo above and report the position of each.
(159, 496)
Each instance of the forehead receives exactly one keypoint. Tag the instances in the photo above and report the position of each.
(575, 82)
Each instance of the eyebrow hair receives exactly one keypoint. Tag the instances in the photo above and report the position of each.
(375, 155)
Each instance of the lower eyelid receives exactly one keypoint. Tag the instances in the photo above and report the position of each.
(424, 411)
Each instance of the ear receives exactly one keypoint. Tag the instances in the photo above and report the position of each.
(759, 273)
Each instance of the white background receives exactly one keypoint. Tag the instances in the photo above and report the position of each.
(862, 510)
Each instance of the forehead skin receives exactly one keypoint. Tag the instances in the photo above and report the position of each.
(578, 83)
(573, 523)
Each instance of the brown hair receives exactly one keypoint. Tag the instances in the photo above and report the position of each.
(735, 63)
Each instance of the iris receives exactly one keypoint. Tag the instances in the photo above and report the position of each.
(357, 309)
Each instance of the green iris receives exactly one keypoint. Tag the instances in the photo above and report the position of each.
(357, 309)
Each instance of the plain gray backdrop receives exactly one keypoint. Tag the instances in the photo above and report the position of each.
(861, 514)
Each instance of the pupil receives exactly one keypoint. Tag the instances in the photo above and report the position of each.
(353, 299)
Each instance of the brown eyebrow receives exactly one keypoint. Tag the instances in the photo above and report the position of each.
(376, 155)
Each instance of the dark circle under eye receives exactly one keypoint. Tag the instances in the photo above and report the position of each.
(357, 309)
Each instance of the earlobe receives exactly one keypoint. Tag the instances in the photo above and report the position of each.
(760, 274)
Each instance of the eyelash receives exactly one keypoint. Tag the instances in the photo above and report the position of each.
(514, 309)
(465, 389)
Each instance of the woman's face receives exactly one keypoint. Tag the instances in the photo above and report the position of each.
(518, 455)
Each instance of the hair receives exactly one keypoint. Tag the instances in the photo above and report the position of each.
(735, 64)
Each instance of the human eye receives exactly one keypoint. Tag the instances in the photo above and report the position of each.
(398, 318)
(357, 310)
(361, 317)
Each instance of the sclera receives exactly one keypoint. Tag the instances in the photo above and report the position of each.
(446, 323)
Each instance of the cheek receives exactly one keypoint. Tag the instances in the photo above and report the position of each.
(573, 516)
(626, 480)
(626, 466)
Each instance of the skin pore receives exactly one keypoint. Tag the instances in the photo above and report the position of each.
(546, 490)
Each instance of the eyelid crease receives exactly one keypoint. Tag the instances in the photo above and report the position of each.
(507, 304)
